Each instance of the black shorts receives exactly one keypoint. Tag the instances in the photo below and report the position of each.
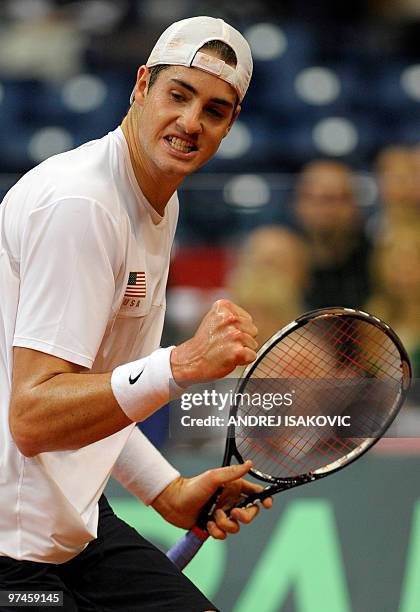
(119, 571)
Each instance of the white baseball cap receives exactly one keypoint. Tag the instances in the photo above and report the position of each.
(180, 43)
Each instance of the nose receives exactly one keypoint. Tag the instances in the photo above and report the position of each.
(189, 120)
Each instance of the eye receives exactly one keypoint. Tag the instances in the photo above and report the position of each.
(175, 95)
(215, 112)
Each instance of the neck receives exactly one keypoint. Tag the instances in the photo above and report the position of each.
(156, 188)
(331, 246)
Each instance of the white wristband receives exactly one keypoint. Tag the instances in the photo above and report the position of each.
(141, 387)
(141, 469)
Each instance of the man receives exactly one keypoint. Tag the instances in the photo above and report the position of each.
(85, 243)
(328, 215)
(397, 171)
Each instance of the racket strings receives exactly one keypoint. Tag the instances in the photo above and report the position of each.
(295, 451)
(367, 346)
(337, 366)
(358, 344)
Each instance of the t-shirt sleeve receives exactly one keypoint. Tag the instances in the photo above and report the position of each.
(70, 257)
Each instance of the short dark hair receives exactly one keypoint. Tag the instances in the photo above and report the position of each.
(222, 50)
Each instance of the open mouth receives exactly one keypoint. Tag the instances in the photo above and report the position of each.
(180, 145)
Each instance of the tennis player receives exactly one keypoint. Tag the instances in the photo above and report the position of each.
(85, 239)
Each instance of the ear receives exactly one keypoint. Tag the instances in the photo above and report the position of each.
(232, 121)
(141, 86)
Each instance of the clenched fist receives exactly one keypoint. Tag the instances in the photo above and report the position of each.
(225, 339)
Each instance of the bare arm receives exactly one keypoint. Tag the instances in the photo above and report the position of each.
(55, 406)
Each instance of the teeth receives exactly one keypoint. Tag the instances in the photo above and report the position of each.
(180, 145)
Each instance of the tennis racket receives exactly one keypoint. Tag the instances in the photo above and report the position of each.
(328, 364)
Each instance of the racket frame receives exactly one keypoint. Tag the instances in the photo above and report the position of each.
(278, 484)
(186, 548)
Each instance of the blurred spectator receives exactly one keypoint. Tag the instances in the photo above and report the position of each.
(45, 43)
(270, 277)
(328, 215)
(395, 272)
(397, 169)
(416, 183)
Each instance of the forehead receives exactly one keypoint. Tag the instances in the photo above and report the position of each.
(205, 83)
(327, 177)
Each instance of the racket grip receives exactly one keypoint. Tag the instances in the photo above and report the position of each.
(187, 547)
(255, 498)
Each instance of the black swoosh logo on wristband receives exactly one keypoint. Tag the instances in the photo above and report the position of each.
(134, 380)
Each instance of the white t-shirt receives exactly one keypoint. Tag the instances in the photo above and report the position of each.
(83, 268)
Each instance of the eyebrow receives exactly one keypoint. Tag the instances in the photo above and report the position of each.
(193, 90)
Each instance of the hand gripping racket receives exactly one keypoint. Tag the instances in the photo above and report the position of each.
(329, 364)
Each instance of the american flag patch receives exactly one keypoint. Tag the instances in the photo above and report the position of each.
(136, 286)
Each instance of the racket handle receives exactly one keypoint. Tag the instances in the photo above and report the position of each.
(255, 498)
(187, 547)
